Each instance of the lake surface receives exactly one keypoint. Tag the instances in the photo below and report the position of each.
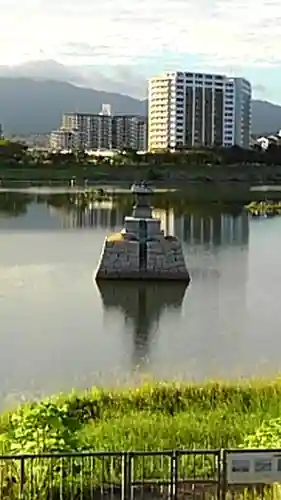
(59, 331)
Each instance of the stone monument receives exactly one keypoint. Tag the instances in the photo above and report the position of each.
(141, 251)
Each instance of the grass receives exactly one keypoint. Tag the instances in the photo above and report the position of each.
(269, 208)
(165, 172)
(152, 417)
(157, 416)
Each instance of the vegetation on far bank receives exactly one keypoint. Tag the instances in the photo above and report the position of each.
(201, 165)
(268, 208)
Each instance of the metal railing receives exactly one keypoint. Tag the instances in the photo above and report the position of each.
(173, 475)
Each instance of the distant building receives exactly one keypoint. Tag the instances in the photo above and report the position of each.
(265, 141)
(129, 132)
(95, 130)
(100, 132)
(64, 139)
(196, 109)
(142, 134)
(242, 111)
(1, 131)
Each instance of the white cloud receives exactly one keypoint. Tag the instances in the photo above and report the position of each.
(222, 32)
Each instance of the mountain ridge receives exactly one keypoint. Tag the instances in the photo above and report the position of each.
(35, 105)
(30, 106)
(122, 80)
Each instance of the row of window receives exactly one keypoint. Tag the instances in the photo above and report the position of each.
(209, 85)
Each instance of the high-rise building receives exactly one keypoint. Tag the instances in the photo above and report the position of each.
(196, 109)
(142, 134)
(101, 131)
(64, 139)
(129, 132)
(243, 112)
(95, 129)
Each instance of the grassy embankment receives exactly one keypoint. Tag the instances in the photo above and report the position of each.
(151, 417)
(169, 173)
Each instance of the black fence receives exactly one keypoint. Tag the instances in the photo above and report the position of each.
(174, 475)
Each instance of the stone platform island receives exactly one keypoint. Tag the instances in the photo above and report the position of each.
(141, 251)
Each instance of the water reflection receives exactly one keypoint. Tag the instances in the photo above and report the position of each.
(193, 228)
(14, 204)
(142, 305)
(51, 315)
(193, 225)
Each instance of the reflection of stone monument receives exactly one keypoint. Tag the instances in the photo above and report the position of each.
(141, 251)
(142, 303)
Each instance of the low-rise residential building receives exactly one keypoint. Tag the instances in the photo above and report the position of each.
(265, 141)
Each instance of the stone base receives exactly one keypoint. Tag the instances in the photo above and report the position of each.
(143, 276)
(163, 261)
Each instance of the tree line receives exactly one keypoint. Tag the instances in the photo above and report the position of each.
(16, 154)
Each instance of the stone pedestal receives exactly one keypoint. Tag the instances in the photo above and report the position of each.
(142, 252)
(162, 259)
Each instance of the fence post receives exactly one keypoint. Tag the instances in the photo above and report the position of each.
(223, 474)
(22, 479)
(129, 475)
(126, 476)
(174, 476)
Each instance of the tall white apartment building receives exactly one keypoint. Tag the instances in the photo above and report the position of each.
(190, 109)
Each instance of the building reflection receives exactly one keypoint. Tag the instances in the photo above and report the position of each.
(191, 227)
(203, 228)
(142, 305)
(104, 215)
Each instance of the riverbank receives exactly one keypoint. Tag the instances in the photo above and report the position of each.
(153, 417)
(150, 417)
(169, 173)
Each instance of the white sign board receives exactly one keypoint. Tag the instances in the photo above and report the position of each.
(254, 467)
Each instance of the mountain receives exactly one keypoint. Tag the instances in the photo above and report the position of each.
(120, 79)
(30, 106)
(266, 117)
(42, 70)
(36, 105)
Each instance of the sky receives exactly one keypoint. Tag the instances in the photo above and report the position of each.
(240, 37)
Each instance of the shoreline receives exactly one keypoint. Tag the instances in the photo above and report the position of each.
(189, 193)
(168, 174)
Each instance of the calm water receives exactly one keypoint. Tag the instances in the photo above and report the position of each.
(59, 331)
